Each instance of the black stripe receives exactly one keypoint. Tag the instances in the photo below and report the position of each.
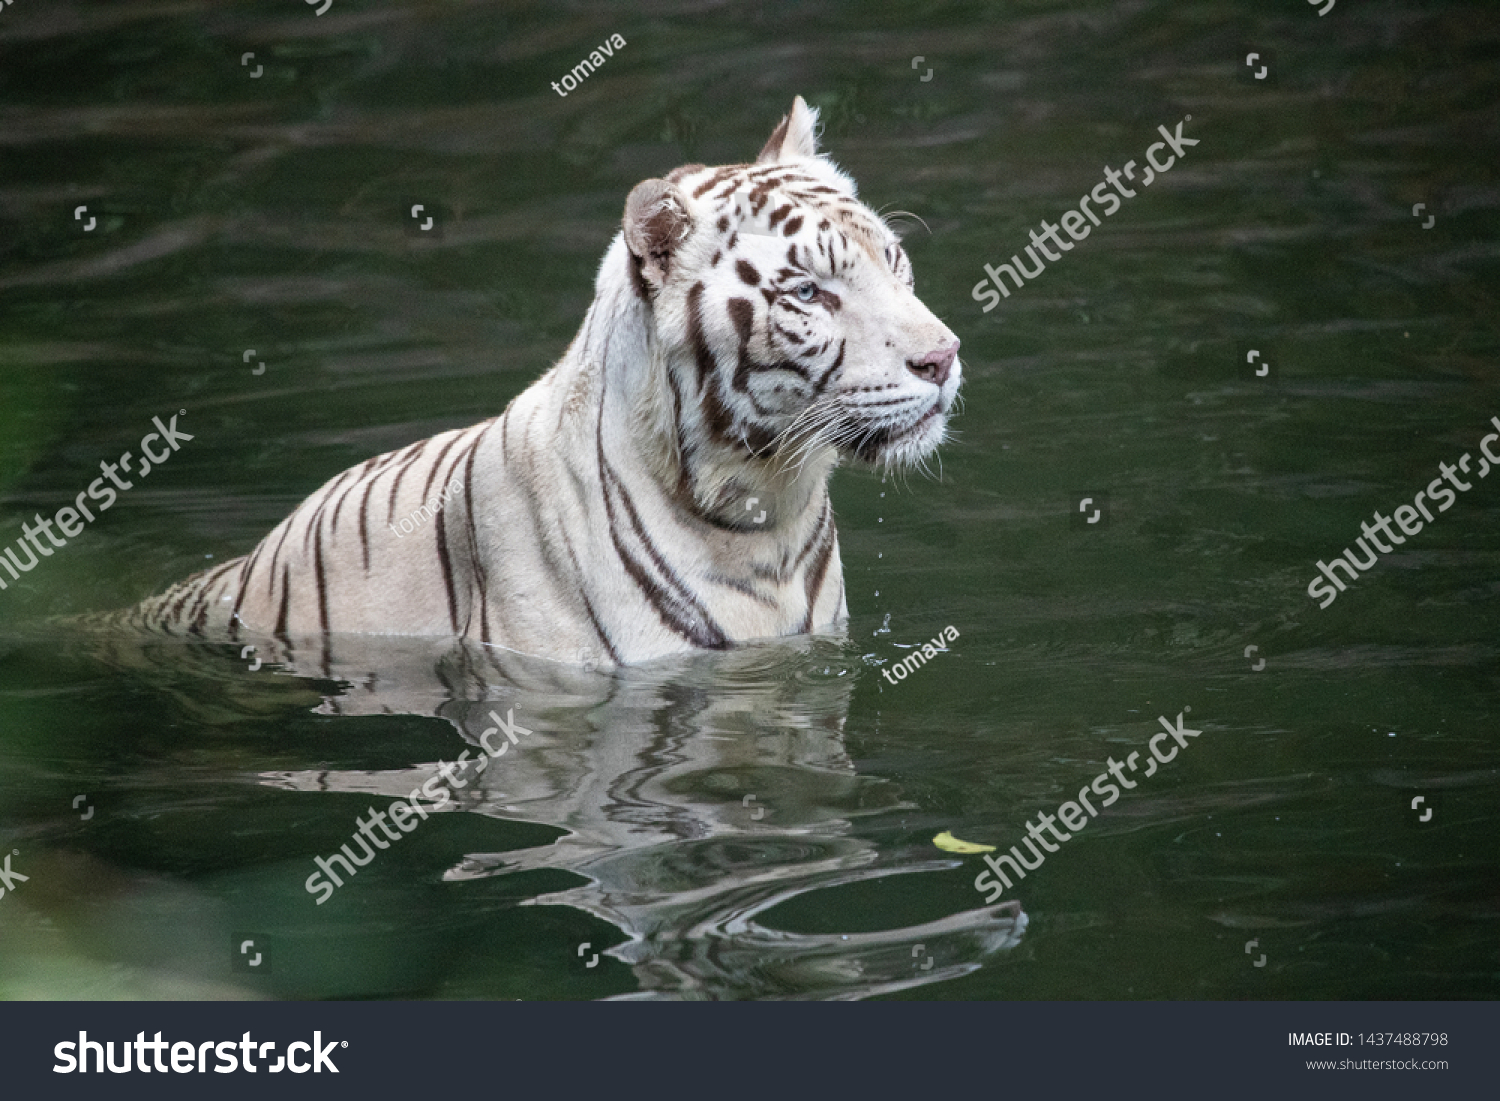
(679, 611)
(682, 447)
(447, 564)
(717, 417)
(333, 525)
(243, 583)
(196, 626)
(442, 533)
(669, 575)
(173, 615)
(387, 460)
(317, 517)
(588, 605)
(427, 489)
(817, 533)
(816, 574)
(702, 355)
(484, 616)
(286, 529)
(524, 483)
(327, 660)
(765, 573)
(664, 603)
(286, 601)
(742, 313)
(416, 450)
(837, 363)
(200, 607)
(322, 582)
(364, 521)
(685, 491)
(745, 370)
(480, 577)
(713, 181)
(607, 479)
(745, 587)
(635, 268)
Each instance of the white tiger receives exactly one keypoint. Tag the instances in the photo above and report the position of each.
(664, 486)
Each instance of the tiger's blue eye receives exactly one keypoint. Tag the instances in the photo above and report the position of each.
(806, 292)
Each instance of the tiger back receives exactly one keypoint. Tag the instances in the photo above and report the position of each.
(664, 487)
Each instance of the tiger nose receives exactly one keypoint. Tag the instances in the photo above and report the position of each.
(934, 367)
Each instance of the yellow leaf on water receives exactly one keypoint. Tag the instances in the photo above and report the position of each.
(950, 844)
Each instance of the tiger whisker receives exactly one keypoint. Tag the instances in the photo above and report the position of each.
(817, 408)
(795, 450)
(801, 436)
(813, 443)
(886, 218)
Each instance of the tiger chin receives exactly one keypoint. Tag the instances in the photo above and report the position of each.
(664, 487)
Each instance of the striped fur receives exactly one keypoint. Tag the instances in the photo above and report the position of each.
(664, 486)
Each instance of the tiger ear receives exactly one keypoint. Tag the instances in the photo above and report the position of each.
(657, 221)
(795, 136)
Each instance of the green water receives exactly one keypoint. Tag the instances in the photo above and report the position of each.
(760, 824)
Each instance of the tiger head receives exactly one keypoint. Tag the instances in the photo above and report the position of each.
(787, 333)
